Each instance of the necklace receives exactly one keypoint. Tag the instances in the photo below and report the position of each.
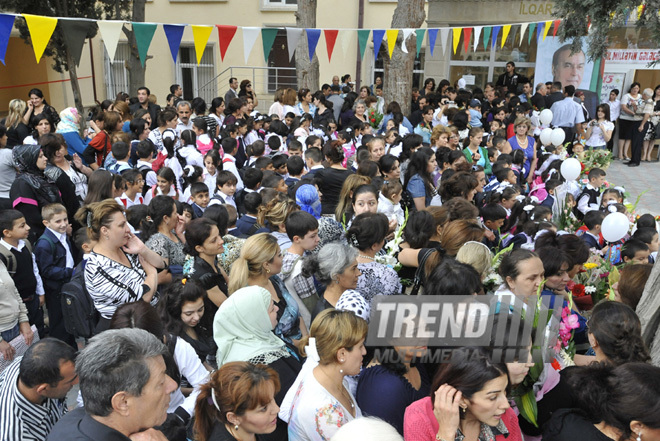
(367, 257)
(341, 389)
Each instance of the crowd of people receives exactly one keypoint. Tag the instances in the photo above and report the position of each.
(218, 265)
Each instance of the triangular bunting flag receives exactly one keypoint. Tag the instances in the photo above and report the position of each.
(75, 32)
(505, 34)
(532, 26)
(292, 38)
(456, 37)
(467, 34)
(523, 28)
(392, 35)
(539, 31)
(419, 38)
(41, 28)
(201, 36)
(477, 34)
(225, 36)
(144, 33)
(267, 39)
(110, 32)
(313, 36)
(330, 40)
(378, 35)
(363, 38)
(496, 32)
(555, 27)
(346, 37)
(406, 33)
(487, 31)
(546, 29)
(250, 35)
(174, 33)
(444, 39)
(6, 23)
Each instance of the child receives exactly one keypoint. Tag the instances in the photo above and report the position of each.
(493, 217)
(252, 178)
(610, 196)
(506, 175)
(199, 193)
(120, 151)
(211, 164)
(587, 200)
(275, 181)
(650, 237)
(302, 132)
(528, 224)
(348, 144)
(225, 189)
(189, 149)
(134, 184)
(279, 164)
(310, 142)
(389, 201)
(229, 162)
(518, 166)
(247, 224)
(83, 243)
(264, 164)
(166, 185)
(474, 108)
(16, 254)
(493, 153)
(203, 141)
(231, 221)
(255, 151)
(499, 142)
(186, 212)
(295, 166)
(191, 174)
(295, 148)
(635, 251)
(550, 187)
(136, 216)
(593, 221)
(274, 143)
(145, 153)
(578, 151)
(56, 257)
(254, 125)
(313, 161)
(303, 231)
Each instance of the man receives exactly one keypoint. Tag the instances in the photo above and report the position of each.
(579, 98)
(554, 95)
(33, 390)
(568, 115)
(538, 99)
(335, 81)
(233, 90)
(568, 69)
(184, 122)
(325, 89)
(335, 98)
(176, 90)
(125, 388)
(527, 92)
(509, 79)
(144, 103)
(489, 96)
(416, 116)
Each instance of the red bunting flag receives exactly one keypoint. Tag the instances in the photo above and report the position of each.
(330, 39)
(556, 26)
(225, 36)
(467, 34)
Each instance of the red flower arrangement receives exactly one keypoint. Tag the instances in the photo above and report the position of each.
(577, 290)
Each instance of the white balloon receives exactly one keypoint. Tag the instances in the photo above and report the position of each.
(546, 136)
(615, 226)
(571, 169)
(558, 136)
(546, 117)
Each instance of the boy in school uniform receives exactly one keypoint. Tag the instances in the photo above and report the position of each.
(199, 192)
(635, 251)
(120, 151)
(145, 153)
(593, 221)
(650, 237)
(279, 164)
(252, 181)
(56, 257)
(133, 193)
(296, 166)
(589, 199)
(225, 189)
(550, 186)
(16, 254)
(493, 217)
(247, 224)
(313, 160)
(229, 161)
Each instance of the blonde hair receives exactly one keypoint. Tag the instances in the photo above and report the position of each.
(523, 120)
(477, 255)
(256, 251)
(51, 210)
(122, 108)
(97, 215)
(458, 232)
(372, 141)
(289, 97)
(276, 211)
(16, 111)
(333, 330)
(350, 184)
(437, 131)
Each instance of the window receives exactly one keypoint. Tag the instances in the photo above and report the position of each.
(116, 75)
(281, 70)
(279, 5)
(418, 67)
(196, 79)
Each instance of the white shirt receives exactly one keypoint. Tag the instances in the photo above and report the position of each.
(229, 164)
(583, 203)
(35, 268)
(615, 109)
(221, 198)
(597, 138)
(152, 179)
(210, 181)
(192, 368)
(566, 113)
(390, 209)
(192, 155)
(180, 127)
(62, 238)
(127, 202)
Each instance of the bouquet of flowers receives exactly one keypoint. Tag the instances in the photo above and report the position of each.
(566, 220)
(374, 117)
(493, 280)
(593, 280)
(392, 248)
(596, 158)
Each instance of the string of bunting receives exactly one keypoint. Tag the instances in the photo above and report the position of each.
(75, 30)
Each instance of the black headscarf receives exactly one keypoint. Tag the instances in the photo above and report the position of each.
(25, 157)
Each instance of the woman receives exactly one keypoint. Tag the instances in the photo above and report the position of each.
(612, 404)
(7, 170)
(364, 200)
(217, 111)
(474, 153)
(320, 402)
(440, 137)
(274, 214)
(41, 125)
(305, 103)
(122, 108)
(68, 127)
(165, 233)
(277, 108)
(429, 87)
(522, 273)
(600, 129)
(571, 244)
(36, 105)
(359, 115)
(243, 330)
(628, 119)
(460, 185)
(468, 401)
(650, 136)
(389, 168)
(182, 310)
(424, 128)
(32, 190)
(247, 90)
(419, 180)
(238, 403)
(640, 126)
(17, 129)
(331, 179)
(522, 141)
(335, 266)
(139, 131)
(628, 290)
(324, 113)
(100, 146)
(288, 102)
(344, 211)
(120, 269)
(259, 265)
(367, 234)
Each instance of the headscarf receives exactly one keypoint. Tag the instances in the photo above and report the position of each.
(351, 300)
(243, 331)
(68, 120)
(25, 157)
(307, 197)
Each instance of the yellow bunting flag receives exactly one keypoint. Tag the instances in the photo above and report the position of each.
(41, 28)
(547, 28)
(201, 36)
(392, 34)
(457, 37)
(505, 33)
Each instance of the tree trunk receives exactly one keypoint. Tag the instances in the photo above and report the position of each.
(648, 310)
(133, 64)
(307, 73)
(75, 88)
(398, 72)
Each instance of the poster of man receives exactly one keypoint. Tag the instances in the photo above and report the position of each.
(568, 68)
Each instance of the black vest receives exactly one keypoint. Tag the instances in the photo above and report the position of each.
(24, 279)
(593, 199)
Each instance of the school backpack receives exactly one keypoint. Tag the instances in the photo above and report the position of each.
(80, 315)
(9, 258)
(144, 171)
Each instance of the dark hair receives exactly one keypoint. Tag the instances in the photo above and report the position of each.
(225, 177)
(299, 223)
(551, 184)
(409, 142)
(262, 162)
(553, 259)
(419, 229)
(99, 186)
(140, 315)
(419, 166)
(368, 168)
(295, 165)
(219, 215)
(198, 105)
(136, 127)
(159, 207)
(386, 163)
(333, 151)
(257, 148)
(252, 177)
(41, 362)
(279, 160)
(271, 180)
(200, 123)
(229, 145)
(502, 173)
(458, 185)
(492, 212)
(120, 150)
(631, 247)
(367, 229)
(50, 144)
(645, 234)
(165, 115)
(136, 215)
(646, 220)
(632, 282)
(606, 110)
(452, 277)
(251, 202)
(593, 218)
(197, 231)
(215, 103)
(571, 244)
(198, 187)
(174, 297)
(314, 154)
(145, 149)
(596, 173)
(509, 265)
(618, 331)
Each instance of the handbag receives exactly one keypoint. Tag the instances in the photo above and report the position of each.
(419, 274)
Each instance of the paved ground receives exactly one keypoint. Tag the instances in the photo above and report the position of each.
(636, 180)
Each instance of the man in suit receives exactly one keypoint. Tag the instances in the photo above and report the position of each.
(144, 103)
(568, 69)
(233, 90)
(554, 95)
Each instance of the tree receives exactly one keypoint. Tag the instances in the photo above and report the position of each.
(307, 73)
(398, 71)
(603, 15)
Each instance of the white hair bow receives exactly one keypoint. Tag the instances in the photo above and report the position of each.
(528, 208)
(520, 198)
